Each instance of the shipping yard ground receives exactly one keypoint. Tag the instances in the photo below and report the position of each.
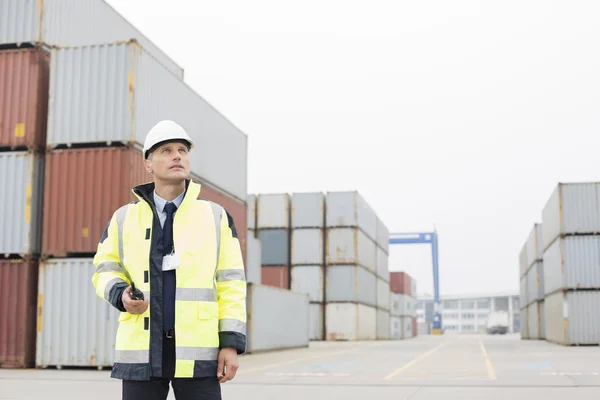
(426, 367)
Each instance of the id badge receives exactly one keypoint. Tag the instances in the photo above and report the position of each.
(170, 262)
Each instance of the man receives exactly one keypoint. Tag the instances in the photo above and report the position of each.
(183, 254)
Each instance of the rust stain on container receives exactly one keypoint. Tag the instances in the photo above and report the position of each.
(24, 80)
(276, 276)
(18, 305)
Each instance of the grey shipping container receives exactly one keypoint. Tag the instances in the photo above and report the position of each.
(274, 246)
(535, 283)
(535, 245)
(383, 295)
(523, 295)
(383, 325)
(117, 92)
(395, 328)
(273, 211)
(308, 210)
(382, 260)
(309, 279)
(316, 321)
(350, 321)
(348, 283)
(572, 317)
(251, 209)
(349, 209)
(277, 319)
(524, 324)
(307, 246)
(402, 305)
(350, 246)
(253, 259)
(407, 330)
(71, 23)
(523, 266)
(383, 236)
(75, 327)
(21, 203)
(533, 316)
(572, 262)
(573, 208)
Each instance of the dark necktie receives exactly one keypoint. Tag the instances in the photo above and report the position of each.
(168, 276)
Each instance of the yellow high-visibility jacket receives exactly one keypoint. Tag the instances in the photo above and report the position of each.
(210, 294)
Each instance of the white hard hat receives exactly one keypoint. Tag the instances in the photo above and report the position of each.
(165, 131)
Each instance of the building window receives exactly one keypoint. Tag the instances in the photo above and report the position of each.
(450, 305)
(483, 304)
(468, 316)
(468, 305)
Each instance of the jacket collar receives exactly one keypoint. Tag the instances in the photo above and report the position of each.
(145, 192)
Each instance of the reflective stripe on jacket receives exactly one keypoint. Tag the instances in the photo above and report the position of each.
(210, 294)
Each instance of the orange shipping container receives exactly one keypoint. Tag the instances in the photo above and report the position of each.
(18, 304)
(24, 77)
(83, 187)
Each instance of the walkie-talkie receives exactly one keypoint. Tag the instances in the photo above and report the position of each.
(136, 294)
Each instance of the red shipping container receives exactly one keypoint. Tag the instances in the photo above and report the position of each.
(24, 79)
(277, 276)
(401, 282)
(18, 306)
(83, 187)
(414, 327)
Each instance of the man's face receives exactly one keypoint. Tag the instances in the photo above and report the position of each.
(169, 162)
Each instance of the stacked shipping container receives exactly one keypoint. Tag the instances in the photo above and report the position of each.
(23, 114)
(403, 306)
(524, 328)
(533, 280)
(383, 281)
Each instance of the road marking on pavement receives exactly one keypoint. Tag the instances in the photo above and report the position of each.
(414, 361)
(488, 363)
(296, 360)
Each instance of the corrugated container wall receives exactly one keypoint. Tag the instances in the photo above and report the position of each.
(349, 209)
(347, 283)
(307, 246)
(572, 263)
(273, 211)
(71, 23)
(349, 321)
(573, 208)
(277, 319)
(75, 327)
(383, 236)
(310, 280)
(253, 260)
(524, 324)
(275, 276)
(308, 210)
(383, 325)
(316, 321)
(542, 312)
(382, 260)
(523, 295)
(24, 76)
(350, 246)
(21, 203)
(401, 282)
(395, 328)
(18, 297)
(535, 245)
(125, 92)
(572, 318)
(407, 330)
(251, 201)
(383, 295)
(103, 178)
(402, 305)
(533, 323)
(523, 266)
(534, 283)
(275, 246)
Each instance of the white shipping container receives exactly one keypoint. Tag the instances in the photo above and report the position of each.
(350, 246)
(383, 325)
(524, 324)
(21, 203)
(395, 328)
(523, 296)
(523, 266)
(316, 321)
(118, 92)
(534, 282)
(350, 321)
(253, 259)
(572, 262)
(407, 331)
(251, 210)
(350, 283)
(382, 260)
(535, 245)
(309, 279)
(273, 210)
(66, 23)
(572, 317)
(307, 246)
(402, 305)
(383, 295)
(533, 323)
(383, 236)
(75, 327)
(277, 319)
(308, 210)
(572, 208)
(349, 209)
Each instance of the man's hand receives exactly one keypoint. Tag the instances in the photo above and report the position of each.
(228, 364)
(133, 306)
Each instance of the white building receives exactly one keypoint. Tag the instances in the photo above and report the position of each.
(468, 314)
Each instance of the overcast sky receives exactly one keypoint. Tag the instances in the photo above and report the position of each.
(460, 114)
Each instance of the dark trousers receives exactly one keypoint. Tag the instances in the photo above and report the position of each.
(184, 388)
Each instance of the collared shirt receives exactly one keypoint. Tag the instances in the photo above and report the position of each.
(160, 204)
